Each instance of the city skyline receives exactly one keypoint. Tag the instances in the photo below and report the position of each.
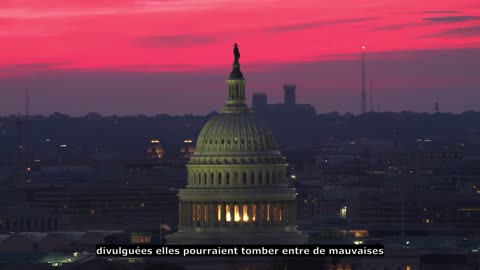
(131, 57)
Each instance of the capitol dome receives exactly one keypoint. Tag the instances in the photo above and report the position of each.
(235, 134)
(237, 189)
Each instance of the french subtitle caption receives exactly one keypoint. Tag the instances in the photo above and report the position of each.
(233, 250)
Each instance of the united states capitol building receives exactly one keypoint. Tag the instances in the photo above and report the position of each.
(237, 190)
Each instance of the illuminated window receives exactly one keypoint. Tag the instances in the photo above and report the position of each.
(141, 239)
(245, 213)
(268, 212)
(280, 214)
(219, 212)
(275, 213)
(198, 212)
(408, 268)
(254, 212)
(343, 212)
(205, 213)
(236, 213)
(228, 215)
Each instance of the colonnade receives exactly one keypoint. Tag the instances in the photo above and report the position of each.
(240, 177)
(213, 213)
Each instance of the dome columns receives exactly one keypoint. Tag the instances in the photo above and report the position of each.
(236, 91)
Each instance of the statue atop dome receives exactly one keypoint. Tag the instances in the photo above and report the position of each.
(236, 52)
(236, 74)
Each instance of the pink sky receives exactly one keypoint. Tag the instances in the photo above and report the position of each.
(41, 38)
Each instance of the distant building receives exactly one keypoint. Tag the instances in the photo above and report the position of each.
(289, 94)
(187, 149)
(155, 150)
(259, 102)
(287, 110)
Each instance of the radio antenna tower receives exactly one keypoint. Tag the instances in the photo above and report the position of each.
(364, 95)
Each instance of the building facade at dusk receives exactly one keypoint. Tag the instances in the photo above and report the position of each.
(237, 190)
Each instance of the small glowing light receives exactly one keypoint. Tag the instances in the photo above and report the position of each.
(343, 212)
(75, 254)
(63, 145)
(37, 160)
(358, 242)
(363, 48)
(29, 169)
(408, 242)
(48, 140)
(293, 176)
(187, 141)
(154, 141)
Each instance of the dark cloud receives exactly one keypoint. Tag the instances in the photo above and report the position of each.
(396, 26)
(309, 25)
(471, 31)
(440, 12)
(452, 19)
(440, 19)
(21, 69)
(175, 41)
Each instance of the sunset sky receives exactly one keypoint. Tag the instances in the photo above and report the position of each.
(173, 56)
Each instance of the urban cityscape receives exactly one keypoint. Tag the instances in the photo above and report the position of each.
(252, 171)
